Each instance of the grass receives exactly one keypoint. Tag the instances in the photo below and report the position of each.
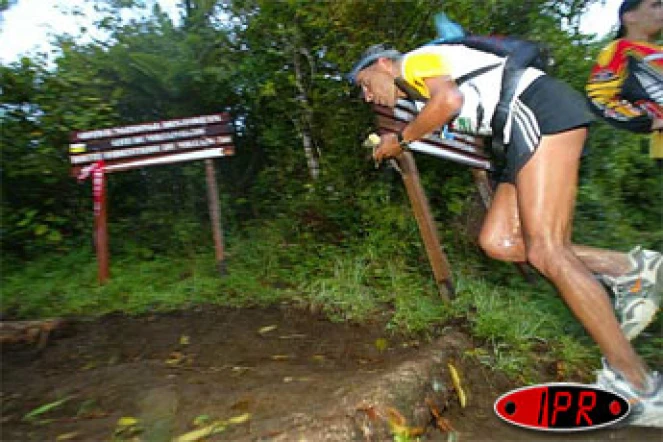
(524, 327)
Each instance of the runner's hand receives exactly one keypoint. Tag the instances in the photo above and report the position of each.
(388, 148)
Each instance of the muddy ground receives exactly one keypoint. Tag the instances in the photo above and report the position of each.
(275, 374)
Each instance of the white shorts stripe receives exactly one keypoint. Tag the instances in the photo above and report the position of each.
(534, 123)
(527, 125)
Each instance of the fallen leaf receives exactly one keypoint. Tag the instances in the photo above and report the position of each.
(184, 340)
(201, 420)
(239, 419)
(560, 368)
(196, 435)
(44, 409)
(280, 357)
(318, 358)
(381, 344)
(89, 366)
(175, 358)
(370, 411)
(293, 336)
(67, 436)
(399, 428)
(455, 379)
(127, 427)
(444, 425)
(395, 417)
(127, 421)
(267, 329)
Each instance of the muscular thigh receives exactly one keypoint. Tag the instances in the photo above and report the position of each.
(547, 186)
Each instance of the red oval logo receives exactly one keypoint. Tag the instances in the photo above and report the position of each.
(562, 407)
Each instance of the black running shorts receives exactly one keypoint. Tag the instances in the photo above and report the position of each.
(547, 106)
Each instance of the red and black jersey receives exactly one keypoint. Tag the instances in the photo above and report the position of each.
(626, 85)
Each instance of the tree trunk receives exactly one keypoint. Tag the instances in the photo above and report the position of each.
(304, 123)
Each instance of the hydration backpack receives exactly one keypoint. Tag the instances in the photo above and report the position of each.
(520, 54)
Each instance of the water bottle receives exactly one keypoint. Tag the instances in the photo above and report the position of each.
(447, 30)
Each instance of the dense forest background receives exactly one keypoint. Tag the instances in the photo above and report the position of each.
(306, 216)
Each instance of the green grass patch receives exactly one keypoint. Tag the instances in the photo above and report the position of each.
(525, 328)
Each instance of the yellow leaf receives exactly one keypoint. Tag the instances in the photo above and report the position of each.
(67, 436)
(267, 329)
(196, 435)
(455, 378)
(280, 357)
(127, 421)
(184, 340)
(239, 419)
(381, 344)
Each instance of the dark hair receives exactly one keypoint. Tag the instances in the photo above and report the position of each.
(627, 5)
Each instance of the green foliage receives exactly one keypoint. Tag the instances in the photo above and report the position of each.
(345, 244)
(514, 320)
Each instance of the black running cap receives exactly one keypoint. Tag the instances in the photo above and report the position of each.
(370, 56)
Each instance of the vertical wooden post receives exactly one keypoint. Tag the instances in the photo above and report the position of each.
(427, 228)
(215, 218)
(483, 186)
(101, 225)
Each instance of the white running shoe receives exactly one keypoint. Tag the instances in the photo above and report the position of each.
(646, 408)
(638, 293)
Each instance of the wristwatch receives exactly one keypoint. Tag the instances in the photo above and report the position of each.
(405, 145)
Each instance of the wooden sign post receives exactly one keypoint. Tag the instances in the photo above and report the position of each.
(459, 148)
(101, 151)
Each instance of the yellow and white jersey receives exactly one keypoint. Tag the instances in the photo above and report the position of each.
(481, 93)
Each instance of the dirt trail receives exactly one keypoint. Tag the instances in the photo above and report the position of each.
(299, 377)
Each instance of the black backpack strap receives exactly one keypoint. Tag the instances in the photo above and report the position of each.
(475, 73)
(516, 63)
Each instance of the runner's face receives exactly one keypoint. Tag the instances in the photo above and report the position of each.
(377, 85)
(649, 15)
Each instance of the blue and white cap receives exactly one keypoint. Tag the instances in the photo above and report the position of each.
(370, 56)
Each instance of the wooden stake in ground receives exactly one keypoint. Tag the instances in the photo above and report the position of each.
(215, 218)
(427, 228)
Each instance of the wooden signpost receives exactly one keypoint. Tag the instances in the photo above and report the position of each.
(449, 145)
(101, 151)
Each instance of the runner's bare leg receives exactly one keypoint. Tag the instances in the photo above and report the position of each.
(501, 237)
(546, 192)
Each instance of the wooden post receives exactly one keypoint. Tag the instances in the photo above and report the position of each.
(483, 186)
(427, 228)
(101, 225)
(215, 218)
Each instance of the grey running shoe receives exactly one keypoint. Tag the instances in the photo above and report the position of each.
(646, 408)
(638, 292)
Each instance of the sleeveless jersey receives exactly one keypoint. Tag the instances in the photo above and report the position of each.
(481, 93)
